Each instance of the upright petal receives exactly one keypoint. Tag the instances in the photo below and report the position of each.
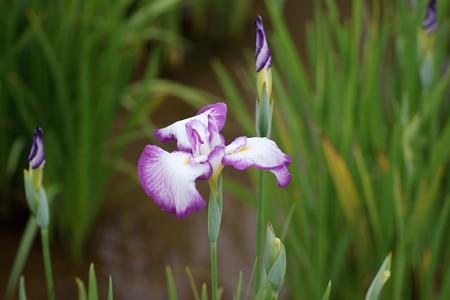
(36, 156)
(262, 153)
(197, 135)
(217, 111)
(177, 131)
(169, 179)
(262, 53)
(429, 23)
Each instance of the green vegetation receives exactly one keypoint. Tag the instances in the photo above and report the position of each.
(364, 119)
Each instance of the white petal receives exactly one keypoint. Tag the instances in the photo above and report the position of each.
(169, 178)
(262, 153)
(215, 114)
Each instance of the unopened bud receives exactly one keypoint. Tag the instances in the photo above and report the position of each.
(263, 61)
(275, 260)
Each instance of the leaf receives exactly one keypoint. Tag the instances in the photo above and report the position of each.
(326, 296)
(110, 289)
(380, 279)
(22, 292)
(93, 291)
(81, 289)
(192, 283)
(171, 284)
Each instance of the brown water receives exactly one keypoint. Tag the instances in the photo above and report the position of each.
(134, 241)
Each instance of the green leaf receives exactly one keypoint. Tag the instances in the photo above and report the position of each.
(204, 292)
(81, 289)
(326, 296)
(237, 295)
(110, 289)
(380, 279)
(192, 284)
(22, 292)
(26, 242)
(93, 291)
(171, 284)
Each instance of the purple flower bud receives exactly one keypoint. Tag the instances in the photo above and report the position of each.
(429, 23)
(36, 157)
(263, 58)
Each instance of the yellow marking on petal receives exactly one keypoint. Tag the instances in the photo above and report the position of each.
(186, 162)
(245, 148)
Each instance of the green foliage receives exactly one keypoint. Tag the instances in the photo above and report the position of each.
(22, 252)
(368, 138)
(220, 19)
(380, 279)
(326, 296)
(171, 287)
(71, 67)
(22, 291)
(92, 292)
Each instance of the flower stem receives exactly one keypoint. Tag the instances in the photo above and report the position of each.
(214, 271)
(261, 219)
(21, 256)
(47, 263)
(274, 296)
(215, 208)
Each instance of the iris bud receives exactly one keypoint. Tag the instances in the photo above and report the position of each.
(274, 259)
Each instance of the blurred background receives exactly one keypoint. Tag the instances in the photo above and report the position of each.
(361, 103)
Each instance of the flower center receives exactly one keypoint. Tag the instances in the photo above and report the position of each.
(204, 149)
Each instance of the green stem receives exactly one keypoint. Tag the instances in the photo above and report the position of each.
(214, 270)
(261, 219)
(22, 253)
(214, 219)
(47, 264)
(274, 296)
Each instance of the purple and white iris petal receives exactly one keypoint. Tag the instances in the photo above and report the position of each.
(197, 136)
(262, 54)
(429, 23)
(169, 179)
(218, 112)
(215, 138)
(177, 131)
(257, 152)
(215, 159)
(36, 156)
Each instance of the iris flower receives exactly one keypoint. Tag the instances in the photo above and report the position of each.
(429, 23)
(263, 60)
(169, 178)
(36, 158)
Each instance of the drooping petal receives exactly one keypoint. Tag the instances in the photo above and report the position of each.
(257, 152)
(36, 156)
(262, 53)
(169, 179)
(429, 23)
(177, 131)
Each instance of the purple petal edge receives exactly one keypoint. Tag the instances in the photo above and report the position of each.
(150, 156)
(429, 23)
(262, 52)
(37, 156)
(218, 113)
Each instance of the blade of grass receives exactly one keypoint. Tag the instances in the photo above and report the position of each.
(171, 284)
